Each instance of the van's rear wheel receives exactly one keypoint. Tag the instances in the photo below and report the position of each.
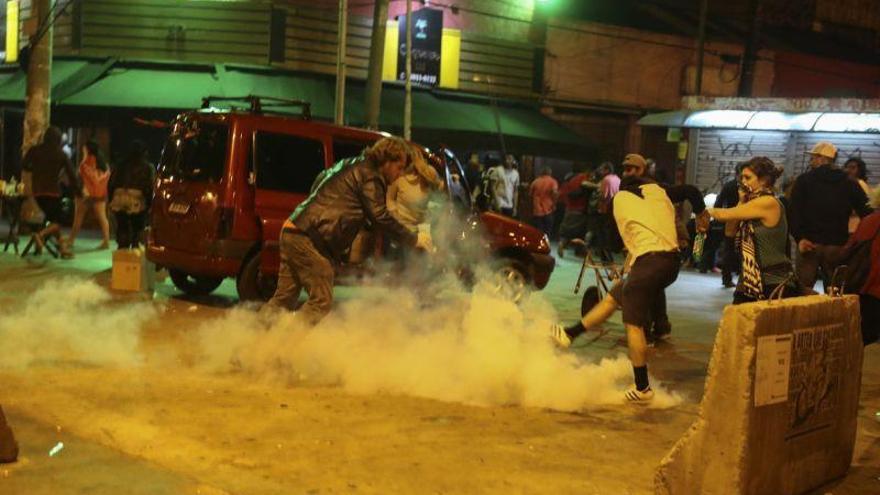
(194, 285)
(252, 284)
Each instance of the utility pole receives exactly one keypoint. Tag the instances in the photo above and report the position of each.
(701, 41)
(747, 72)
(407, 105)
(377, 57)
(38, 97)
(340, 62)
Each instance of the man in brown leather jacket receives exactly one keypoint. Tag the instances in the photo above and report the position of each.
(322, 228)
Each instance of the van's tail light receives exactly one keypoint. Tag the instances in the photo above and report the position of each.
(224, 226)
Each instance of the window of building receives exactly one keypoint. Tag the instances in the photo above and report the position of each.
(287, 163)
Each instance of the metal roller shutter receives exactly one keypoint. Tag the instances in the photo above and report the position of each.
(864, 146)
(720, 150)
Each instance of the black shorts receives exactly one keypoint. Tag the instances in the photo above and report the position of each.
(643, 287)
(51, 206)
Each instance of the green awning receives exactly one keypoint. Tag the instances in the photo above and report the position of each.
(444, 112)
(111, 83)
(319, 93)
(67, 76)
(141, 87)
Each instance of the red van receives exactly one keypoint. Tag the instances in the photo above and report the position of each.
(229, 178)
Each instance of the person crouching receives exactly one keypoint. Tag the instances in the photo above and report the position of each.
(322, 228)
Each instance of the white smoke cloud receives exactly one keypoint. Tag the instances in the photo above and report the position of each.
(427, 336)
(474, 348)
(72, 320)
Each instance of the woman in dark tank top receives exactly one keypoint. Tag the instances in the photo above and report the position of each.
(762, 234)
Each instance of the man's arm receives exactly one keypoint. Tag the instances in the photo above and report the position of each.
(756, 209)
(373, 197)
(686, 192)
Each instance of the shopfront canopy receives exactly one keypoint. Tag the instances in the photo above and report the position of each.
(437, 116)
(767, 120)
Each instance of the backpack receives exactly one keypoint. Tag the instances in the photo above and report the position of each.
(858, 265)
(486, 194)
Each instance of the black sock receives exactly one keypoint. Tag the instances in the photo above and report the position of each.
(641, 376)
(575, 330)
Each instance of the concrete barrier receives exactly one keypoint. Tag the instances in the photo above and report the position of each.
(778, 414)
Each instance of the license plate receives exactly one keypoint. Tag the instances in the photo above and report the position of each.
(179, 208)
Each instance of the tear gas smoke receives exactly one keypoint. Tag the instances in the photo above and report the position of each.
(476, 348)
(427, 337)
(71, 320)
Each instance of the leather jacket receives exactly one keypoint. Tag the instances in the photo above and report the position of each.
(347, 197)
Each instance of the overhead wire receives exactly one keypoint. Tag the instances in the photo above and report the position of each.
(45, 24)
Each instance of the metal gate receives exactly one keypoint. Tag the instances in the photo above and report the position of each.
(864, 146)
(716, 152)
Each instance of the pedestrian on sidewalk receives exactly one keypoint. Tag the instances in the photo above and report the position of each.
(321, 229)
(606, 239)
(856, 170)
(505, 181)
(131, 192)
(729, 198)
(544, 192)
(761, 235)
(473, 174)
(47, 164)
(95, 175)
(645, 217)
(574, 221)
(821, 202)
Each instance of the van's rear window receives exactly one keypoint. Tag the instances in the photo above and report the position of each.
(195, 151)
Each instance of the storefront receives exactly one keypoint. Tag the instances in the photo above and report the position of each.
(105, 96)
(719, 133)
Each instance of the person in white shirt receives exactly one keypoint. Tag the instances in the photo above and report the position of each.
(645, 217)
(407, 197)
(506, 182)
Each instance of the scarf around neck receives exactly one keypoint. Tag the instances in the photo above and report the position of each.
(751, 279)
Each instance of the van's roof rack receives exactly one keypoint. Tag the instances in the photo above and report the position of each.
(259, 103)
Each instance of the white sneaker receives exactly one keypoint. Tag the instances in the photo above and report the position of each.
(560, 338)
(636, 396)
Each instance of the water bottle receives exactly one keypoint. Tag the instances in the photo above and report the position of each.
(699, 240)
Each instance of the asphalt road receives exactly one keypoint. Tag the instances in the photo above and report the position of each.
(400, 392)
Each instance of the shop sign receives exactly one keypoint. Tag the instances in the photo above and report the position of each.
(427, 37)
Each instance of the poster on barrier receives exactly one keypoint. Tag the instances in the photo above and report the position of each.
(772, 369)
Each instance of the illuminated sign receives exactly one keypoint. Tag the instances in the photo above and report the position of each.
(427, 34)
(9, 34)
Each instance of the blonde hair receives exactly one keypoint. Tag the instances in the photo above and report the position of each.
(420, 166)
(387, 149)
